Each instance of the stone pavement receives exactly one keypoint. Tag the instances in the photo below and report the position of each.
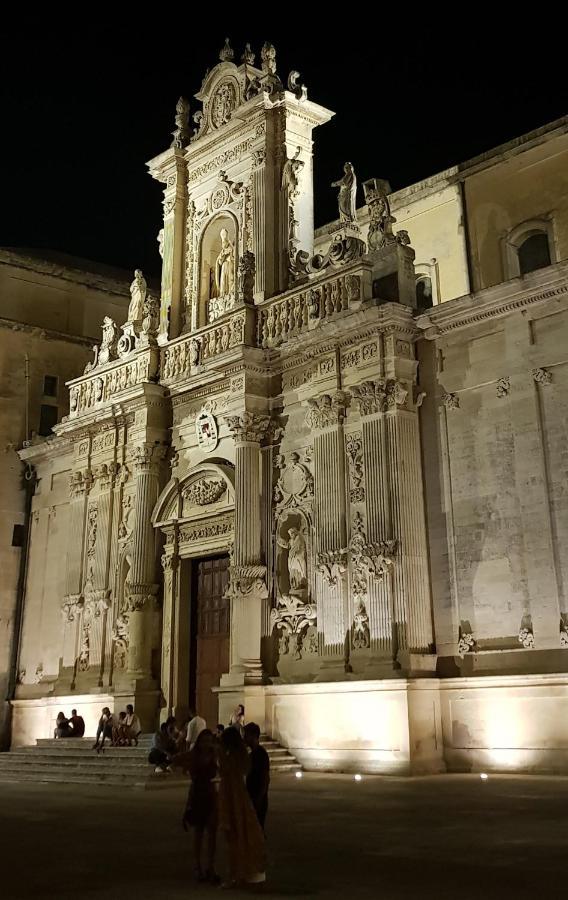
(392, 838)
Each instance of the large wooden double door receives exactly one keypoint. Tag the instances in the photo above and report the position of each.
(210, 629)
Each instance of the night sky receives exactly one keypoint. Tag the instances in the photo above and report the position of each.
(84, 106)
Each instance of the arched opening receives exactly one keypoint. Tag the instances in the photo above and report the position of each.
(534, 253)
(424, 299)
(218, 268)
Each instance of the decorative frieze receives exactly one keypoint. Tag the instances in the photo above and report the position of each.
(373, 557)
(105, 385)
(184, 357)
(80, 482)
(204, 531)
(354, 451)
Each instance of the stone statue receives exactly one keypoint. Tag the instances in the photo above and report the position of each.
(150, 322)
(138, 290)
(268, 58)
(225, 267)
(297, 563)
(108, 343)
(291, 173)
(160, 240)
(347, 194)
(247, 268)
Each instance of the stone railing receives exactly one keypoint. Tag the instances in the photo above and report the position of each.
(105, 383)
(186, 356)
(303, 309)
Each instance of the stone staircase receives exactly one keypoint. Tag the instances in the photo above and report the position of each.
(73, 761)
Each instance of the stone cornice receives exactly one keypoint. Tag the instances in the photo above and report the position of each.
(495, 302)
(59, 269)
(46, 334)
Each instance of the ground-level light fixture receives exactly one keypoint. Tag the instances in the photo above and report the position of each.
(484, 776)
(358, 777)
(299, 774)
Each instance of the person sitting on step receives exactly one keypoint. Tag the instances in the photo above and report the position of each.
(119, 738)
(133, 727)
(104, 729)
(77, 724)
(163, 749)
(62, 729)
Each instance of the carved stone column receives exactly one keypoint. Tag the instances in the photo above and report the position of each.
(248, 589)
(325, 416)
(395, 519)
(170, 565)
(141, 585)
(73, 601)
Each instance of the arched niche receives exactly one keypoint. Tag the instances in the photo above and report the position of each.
(218, 267)
(293, 554)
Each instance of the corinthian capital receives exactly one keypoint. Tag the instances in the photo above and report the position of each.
(148, 457)
(327, 410)
(379, 396)
(248, 426)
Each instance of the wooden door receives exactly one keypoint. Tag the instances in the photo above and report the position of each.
(212, 630)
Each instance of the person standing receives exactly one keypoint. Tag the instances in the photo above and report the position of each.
(201, 808)
(195, 726)
(258, 778)
(237, 719)
(237, 817)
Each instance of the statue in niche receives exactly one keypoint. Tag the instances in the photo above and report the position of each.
(291, 174)
(225, 267)
(297, 559)
(138, 290)
(347, 194)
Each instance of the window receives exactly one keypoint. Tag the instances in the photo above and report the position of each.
(534, 253)
(528, 247)
(424, 292)
(47, 419)
(18, 536)
(50, 385)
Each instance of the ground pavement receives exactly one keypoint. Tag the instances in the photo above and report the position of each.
(328, 836)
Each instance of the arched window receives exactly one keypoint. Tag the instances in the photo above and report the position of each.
(534, 253)
(424, 292)
(528, 247)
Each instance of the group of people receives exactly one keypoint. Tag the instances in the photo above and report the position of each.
(69, 728)
(230, 777)
(122, 730)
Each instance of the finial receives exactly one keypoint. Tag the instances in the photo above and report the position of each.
(226, 54)
(182, 132)
(248, 56)
(268, 57)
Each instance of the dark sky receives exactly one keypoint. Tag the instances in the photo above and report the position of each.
(84, 106)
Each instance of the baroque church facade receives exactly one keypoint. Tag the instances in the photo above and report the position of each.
(322, 475)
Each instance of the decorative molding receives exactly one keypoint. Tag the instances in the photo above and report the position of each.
(332, 565)
(295, 485)
(450, 401)
(373, 557)
(503, 387)
(361, 635)
(326, 411)
(354, 452)
(542, 376)
(248, 426)
(293, 619)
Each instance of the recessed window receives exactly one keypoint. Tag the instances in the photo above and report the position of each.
(50, 385)
(47, 419)
(534, 253)
(18, 536)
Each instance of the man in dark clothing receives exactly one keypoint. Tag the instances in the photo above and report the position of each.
(258, 778)
(77, 723)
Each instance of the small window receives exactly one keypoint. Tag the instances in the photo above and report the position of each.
(47, 419)
(534, 253)
(18, 536)
(50, 385)
(424, 292)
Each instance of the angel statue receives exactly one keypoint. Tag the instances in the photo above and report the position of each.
(347, 194)
(297, 561)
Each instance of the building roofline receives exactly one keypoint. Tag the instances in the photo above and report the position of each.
(461, 171)
(68, 268)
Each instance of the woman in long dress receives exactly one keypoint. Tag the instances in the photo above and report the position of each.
(224, 274)
(201, 808)
(237, 719)
(237, 817)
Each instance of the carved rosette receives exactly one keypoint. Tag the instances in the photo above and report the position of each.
(295, 621)
(379, 396)
(326, 411)
(248, 427)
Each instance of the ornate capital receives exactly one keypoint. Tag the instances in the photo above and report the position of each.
(71, 607)
(377, 396)
(147, 458)
(170, 562)
(327, 410)
(105, 474)
(247, 581)
(248, 426)
(137, 596)
(373, 557)
(80, 482)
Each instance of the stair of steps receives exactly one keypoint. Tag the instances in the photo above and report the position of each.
(73, 761)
